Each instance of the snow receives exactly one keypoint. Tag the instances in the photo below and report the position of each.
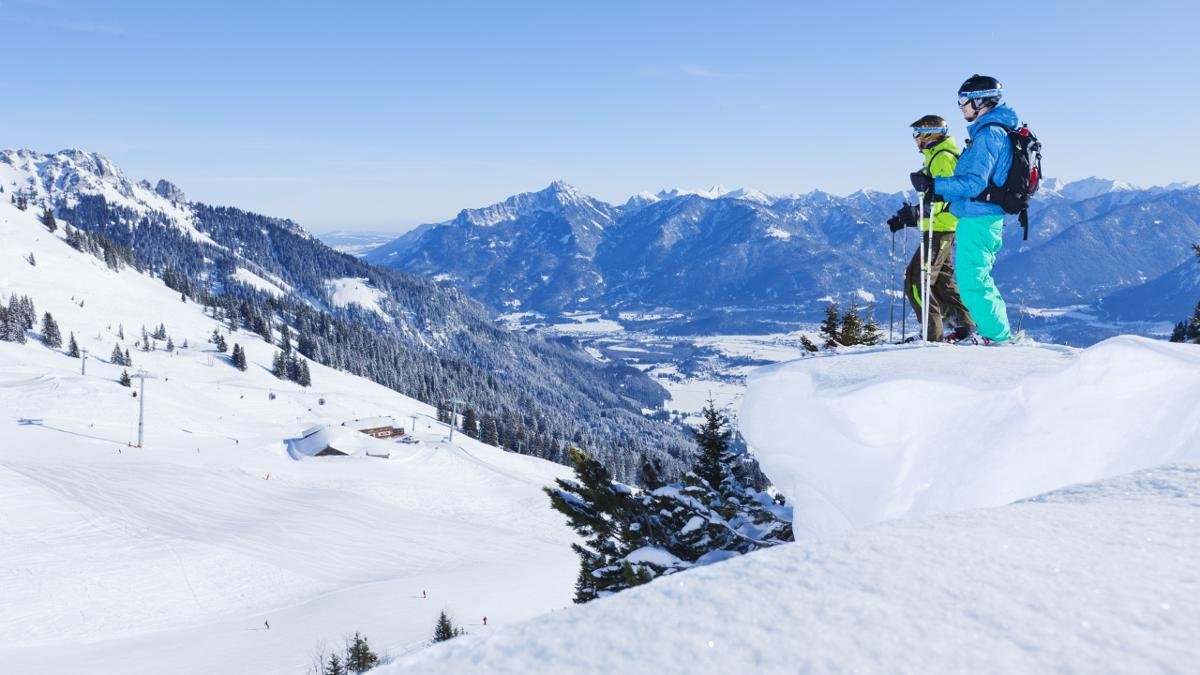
(351, 291)
(169, 558)
(276, 288)
(69, 173)
(1094, 578)
(900, 433)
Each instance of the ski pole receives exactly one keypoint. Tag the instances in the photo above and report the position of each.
(924, 269)
(892, 295)
(904, 306)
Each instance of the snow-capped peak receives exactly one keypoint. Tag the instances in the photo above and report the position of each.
(59, 180)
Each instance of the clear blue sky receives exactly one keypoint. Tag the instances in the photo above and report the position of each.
(387, 114)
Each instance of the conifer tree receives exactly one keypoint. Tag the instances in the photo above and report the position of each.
(170, 344)
(304, 378)
(872, 334)
(470, 425)
(713, 438)
(359, 657)
(1193, 328)
(125, 381)
(830, 330)
(851, 332)
(335, 666)
(48, 220)
(445, 629)
(285, 338)
(51, 337)
(279, 366)
(128, 358)
(72, 347)
(239, 357)
(489, 433)
(32, 262)
(807, 344)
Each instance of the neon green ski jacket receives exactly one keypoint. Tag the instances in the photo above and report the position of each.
(940, 161)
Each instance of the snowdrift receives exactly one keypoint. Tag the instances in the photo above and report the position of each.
(861, 437)
(1094, 578)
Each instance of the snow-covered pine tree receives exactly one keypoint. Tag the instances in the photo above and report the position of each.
(239, 357)
(830, 330)
(48, 220)
(285, 338)
(470, 425)
(124, 380)
(117, 358)
(304, 377)
(170, 344)
(279, 365)
(605, 514)
(335, 666)
(489, 433)
(359, 657)
(872, 334)
(51, 336)
(851, 332)
(32, 262)
(445, 628)
(160, 333)
(72, 347)
(128, 358)
(713, 439)
(807, 344)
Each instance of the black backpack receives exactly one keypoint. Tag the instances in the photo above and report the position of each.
(1024, 176)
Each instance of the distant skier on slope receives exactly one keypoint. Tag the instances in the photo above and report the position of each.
(984, 163)
(931, 134)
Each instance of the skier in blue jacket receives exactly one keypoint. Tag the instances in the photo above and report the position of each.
(988, 157)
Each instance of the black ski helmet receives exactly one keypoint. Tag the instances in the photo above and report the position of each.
(930, 130)
(981, 91)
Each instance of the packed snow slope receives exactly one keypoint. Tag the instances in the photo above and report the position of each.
(1097, 574)
(1096, 578)
(175, 556)
(864, 436)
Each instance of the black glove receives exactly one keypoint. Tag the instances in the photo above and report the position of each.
(906, 216)
(921, 181)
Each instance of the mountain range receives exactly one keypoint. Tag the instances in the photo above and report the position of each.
(707, 252)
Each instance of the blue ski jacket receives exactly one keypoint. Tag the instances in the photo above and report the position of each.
(989, 156)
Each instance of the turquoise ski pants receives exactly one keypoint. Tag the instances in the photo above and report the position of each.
(979, 240)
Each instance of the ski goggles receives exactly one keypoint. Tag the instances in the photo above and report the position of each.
(966, 97)
(921, 131)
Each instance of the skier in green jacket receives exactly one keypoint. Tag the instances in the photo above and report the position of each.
(931, 134)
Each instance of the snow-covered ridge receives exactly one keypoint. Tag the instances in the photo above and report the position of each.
(60, 179)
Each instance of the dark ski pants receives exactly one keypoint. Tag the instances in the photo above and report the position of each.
(944, 302)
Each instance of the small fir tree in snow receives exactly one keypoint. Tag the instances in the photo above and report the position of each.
(851, 332)
(359, 657)
(279, 366)
(48, 220)
(160, 333)
(239, 357)
(807, 344)
(335, 666)
(124, 380)
(72, 347)
(445, 628)
(872, 334)
(831, 327)
(51, 337)
(32, 262)
(128, 358)
(170, 344)
(117, 358)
